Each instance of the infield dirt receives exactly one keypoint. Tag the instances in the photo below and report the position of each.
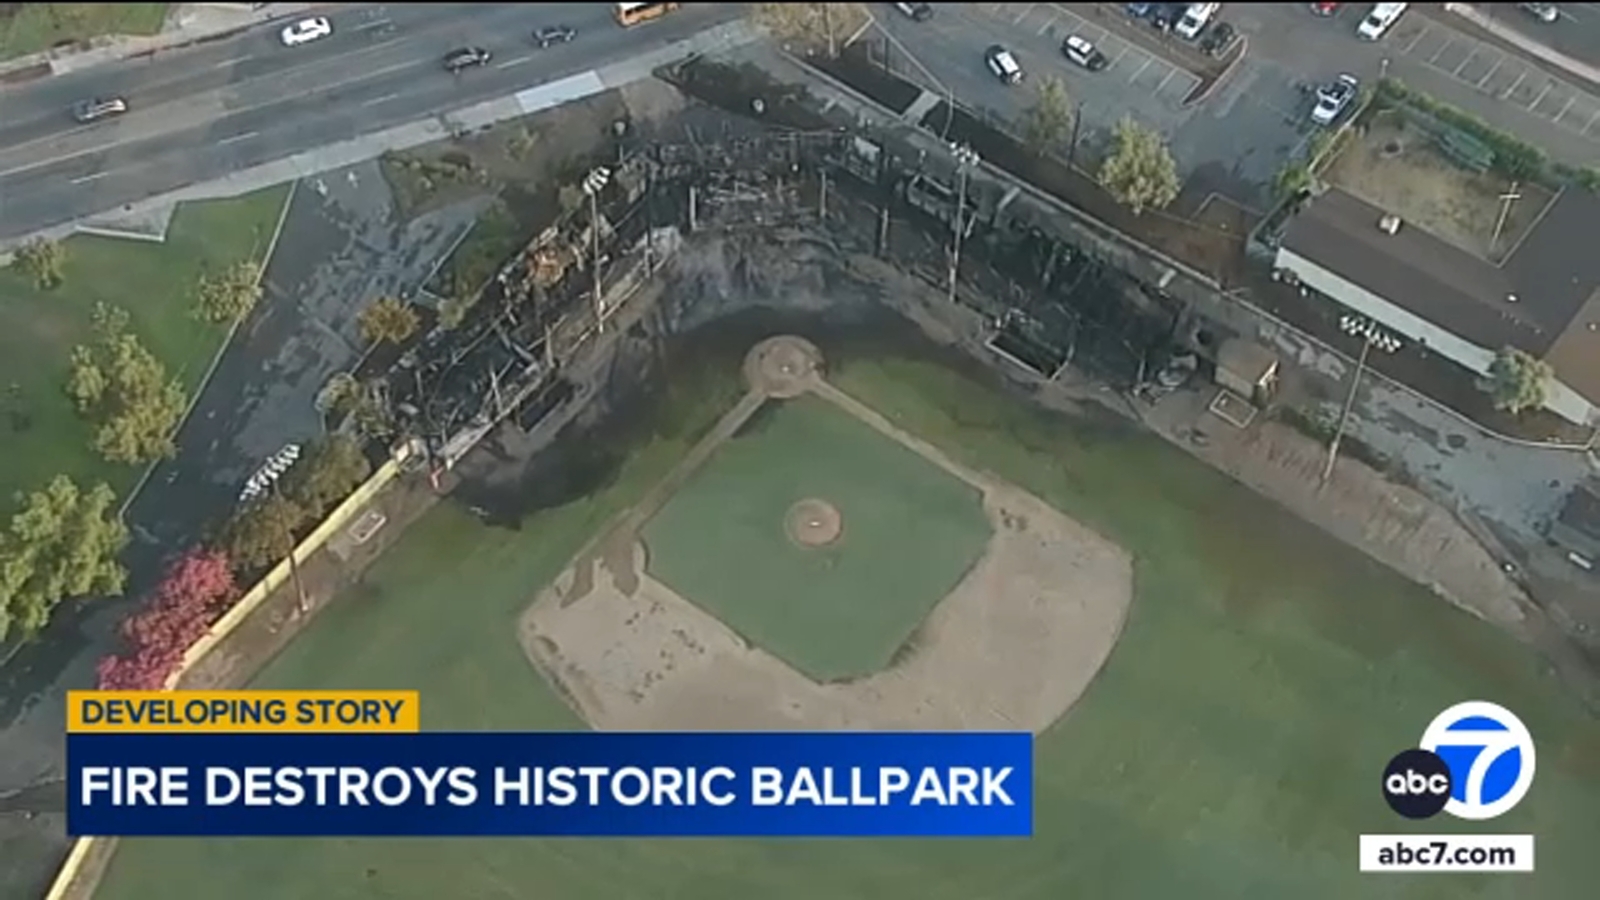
(1014, 644)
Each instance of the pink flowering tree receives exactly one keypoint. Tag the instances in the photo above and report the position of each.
(197, 589)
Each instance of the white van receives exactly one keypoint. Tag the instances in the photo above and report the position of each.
(1378, 21)
(1195, 19)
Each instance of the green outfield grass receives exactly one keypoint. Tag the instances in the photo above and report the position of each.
(41, 433)
(31, 27)
(911, 531)
(1231, 749)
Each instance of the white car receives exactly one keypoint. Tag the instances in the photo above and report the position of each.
(1333, 99)
(306, 30)
(1002, 64)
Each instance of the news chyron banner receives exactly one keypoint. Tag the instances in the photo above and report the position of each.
(356, 764)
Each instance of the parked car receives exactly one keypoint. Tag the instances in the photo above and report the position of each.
(916, 12)
(457, 61)
(1139, 10)
(305, 31)
(1544, 12)
(98, 108)
(550, 35)
(1002, 64)
(1084, 53)
(1166, 15)
(1333, 99)
(1195, 19)
(1324, 10)
(1218, 39)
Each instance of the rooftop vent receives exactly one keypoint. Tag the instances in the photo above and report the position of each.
(1389, 224)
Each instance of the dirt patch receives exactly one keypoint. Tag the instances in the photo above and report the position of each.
(1398, 167)
(1013, 645)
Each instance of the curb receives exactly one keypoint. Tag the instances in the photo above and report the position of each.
(1222, 77)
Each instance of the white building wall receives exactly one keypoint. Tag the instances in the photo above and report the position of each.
(1559, 399)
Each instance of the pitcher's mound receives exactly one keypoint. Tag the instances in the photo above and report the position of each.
(813, 523)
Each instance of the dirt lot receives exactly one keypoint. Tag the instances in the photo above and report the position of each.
(1396, 166)
(1013, 645)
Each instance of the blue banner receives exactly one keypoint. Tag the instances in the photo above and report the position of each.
(882, 784)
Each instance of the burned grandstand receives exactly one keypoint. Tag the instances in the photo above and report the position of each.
(1050, 304)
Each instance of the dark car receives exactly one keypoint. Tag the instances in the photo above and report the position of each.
(916, 12)
(466, 58)
(1165, 15)
(98, 108)
(1218, 39)
(551, 35)
(1139, 10)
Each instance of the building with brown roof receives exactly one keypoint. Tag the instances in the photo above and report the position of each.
(1543, 299)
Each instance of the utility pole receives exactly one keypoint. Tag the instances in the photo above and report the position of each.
(1072, 148)
(822, 200)
(1371, 336)
(1506, 200)
(593, 184)
(966, 158)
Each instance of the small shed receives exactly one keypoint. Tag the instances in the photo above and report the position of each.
(1247, 368)
(1576, 528)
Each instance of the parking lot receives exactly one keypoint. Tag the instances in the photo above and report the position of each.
(1497, 74)
(1048, 24)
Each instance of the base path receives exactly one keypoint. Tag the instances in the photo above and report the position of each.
(1013, 646)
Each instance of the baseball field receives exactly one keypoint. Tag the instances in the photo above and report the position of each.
(1230, 746)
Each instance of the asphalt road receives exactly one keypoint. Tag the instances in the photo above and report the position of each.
(200, 113)
(1235, 141)
(1577, 34)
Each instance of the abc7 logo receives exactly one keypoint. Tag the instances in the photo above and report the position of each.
(1476, 762)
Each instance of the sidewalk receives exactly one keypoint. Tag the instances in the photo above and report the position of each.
(188, 23)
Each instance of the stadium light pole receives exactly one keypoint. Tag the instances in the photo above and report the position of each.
(966, 158)
(1371, 336)
(269, 479)
(593, 184)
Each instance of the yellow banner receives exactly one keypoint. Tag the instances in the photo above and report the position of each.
(242, 711)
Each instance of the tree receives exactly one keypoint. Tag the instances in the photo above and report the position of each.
(1516, 381)
(1140, 172)
(262, 533)
(327, 474)
(388, 319)
(1292, 178)
(121, 387)
(43, 261)
(63, 543)
(812, 24)
(1049, 119)
(196, 590)
(227, 298)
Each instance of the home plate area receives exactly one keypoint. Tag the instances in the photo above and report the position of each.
(810, 566)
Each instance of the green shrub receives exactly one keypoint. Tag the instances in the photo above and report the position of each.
(1513, 157)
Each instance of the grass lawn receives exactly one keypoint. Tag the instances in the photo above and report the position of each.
(41, 432)
(30, 27)
(841, 611)
(1231, 749)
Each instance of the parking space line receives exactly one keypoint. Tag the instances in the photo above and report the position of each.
(1048, 21)
(1116, 59)
(1028, 10)
(1416, 40)
(1565, 108)
(1447, 45)
(1147, 61)
(1540, 99)
(1464, 63)
(1514, 85)
(1592, 119)
(1170, 73)
(1498, 63)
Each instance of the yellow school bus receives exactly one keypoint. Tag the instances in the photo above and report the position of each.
(634, 13)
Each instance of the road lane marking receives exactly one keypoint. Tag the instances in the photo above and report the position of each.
(1416, 40)
(384, 99)
(85, 179)
(242, 136)
(1514, 85)
(1540, 99)
(1498, 63)
(1565, 108)
(1470, 57)
(515, 62)
(1147, 61)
